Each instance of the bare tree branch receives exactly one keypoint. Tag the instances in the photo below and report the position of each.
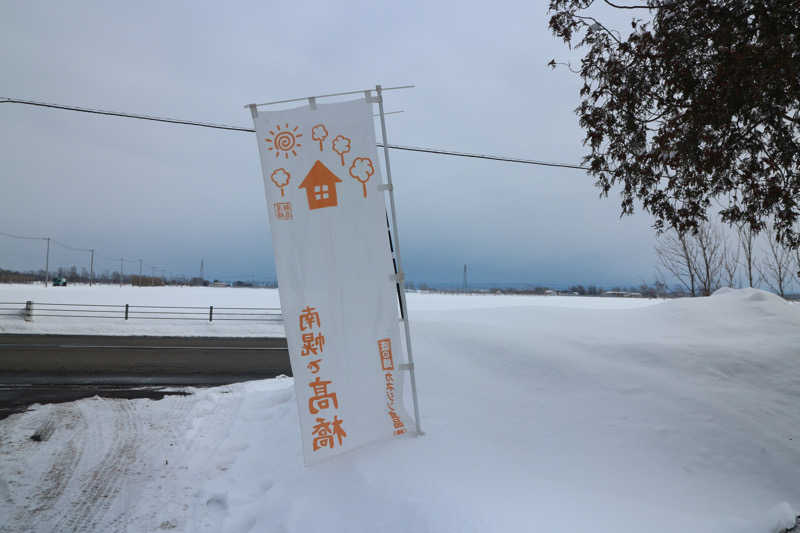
(746, 241)
(730, 262)
(708, 265)
(776, 266)
(677, 255)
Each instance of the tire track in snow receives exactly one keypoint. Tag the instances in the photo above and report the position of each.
(161, 466)
(100, 485)
(52, 485)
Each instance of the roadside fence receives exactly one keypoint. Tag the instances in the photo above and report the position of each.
(28, 310)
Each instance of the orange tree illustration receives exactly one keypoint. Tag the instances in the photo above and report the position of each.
(341, 145)
(319, 133)
(280, 178)
(362, 170)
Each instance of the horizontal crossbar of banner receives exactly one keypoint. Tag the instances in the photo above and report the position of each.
(435, 151)
(330, 95)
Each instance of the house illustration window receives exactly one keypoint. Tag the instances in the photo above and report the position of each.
(321, 192)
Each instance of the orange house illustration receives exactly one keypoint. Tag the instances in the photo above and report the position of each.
(320, 185)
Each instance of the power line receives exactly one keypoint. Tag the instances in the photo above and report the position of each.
(434, 151)
(115, 260)
(23, 237)
(125, 115)
(68, 247)
(491, 157)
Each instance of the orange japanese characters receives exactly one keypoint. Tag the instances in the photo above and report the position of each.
(325, 434)
(387, 364)
(319, 133)
(385, 349)
(322, 399)
(280, 177)
(283, 210)
(313, 366)
(284, 141)
(312, 343)
(320, 185)
(308, 318)
(341, 145)
(362, 170)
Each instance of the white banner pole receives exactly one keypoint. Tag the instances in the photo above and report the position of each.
(400, 275)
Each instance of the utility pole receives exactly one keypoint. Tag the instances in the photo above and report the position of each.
(465, 278)
(47, 263)
(202, 269)
(120, 272)
(140, 272)
(91, 269)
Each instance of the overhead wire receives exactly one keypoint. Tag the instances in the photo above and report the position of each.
(213, 125)
(491, 157)
(68, 247)
(22, 237)
(125, 115)
(98, 258)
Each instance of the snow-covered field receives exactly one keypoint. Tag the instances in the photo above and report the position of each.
(153, 296)
(218, 297)
(542, 414)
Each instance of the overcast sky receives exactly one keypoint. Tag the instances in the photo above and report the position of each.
(172, 195)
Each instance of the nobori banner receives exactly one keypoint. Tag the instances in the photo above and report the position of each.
(335, 272)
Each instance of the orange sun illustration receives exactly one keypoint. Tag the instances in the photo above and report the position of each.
(284, 141)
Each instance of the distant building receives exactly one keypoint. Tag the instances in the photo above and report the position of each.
(622, 294)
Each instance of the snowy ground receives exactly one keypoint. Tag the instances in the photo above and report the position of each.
(542, 414)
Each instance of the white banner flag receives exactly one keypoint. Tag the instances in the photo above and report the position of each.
(335, 274)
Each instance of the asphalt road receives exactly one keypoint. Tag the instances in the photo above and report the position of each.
(56, 368)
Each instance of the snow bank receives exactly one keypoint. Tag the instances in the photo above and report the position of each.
(723, 290)
(681, 416)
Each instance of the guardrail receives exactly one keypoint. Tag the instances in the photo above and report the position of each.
(28, 310)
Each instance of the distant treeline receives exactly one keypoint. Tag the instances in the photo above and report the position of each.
(657, 290)
(11, 276)
(72, 275)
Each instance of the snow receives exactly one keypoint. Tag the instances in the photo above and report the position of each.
(541, 413)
